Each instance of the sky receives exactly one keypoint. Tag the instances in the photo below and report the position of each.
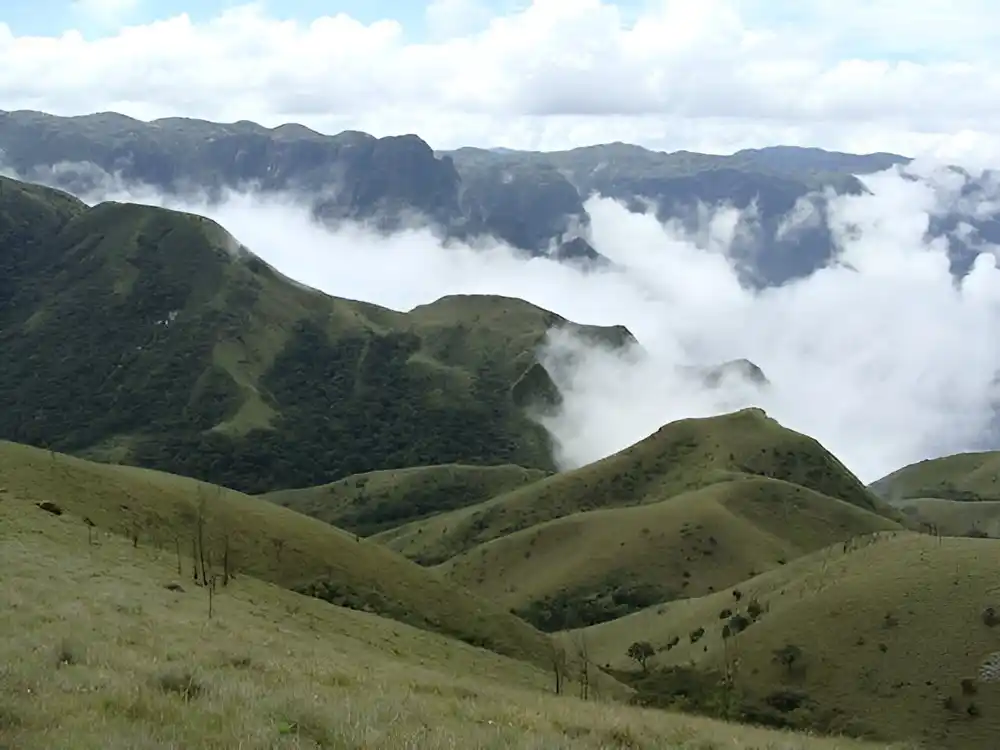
(919, 77)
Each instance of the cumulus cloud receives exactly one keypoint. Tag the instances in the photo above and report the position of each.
(714, 75)
(883, 356)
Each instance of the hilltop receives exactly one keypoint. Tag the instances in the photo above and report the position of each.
(890, 636)
(381, 500)
(228, 532)
(700, 504)
(165, 343)
(109, 648)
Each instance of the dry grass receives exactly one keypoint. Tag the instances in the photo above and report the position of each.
(689, 545)
(955, 517)
(682, 456)
(263, 540)
(963, 476)
(379, 500)
(100, 654)
(888, 631)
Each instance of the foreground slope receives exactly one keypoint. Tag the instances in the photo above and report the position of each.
(380, 500)
(682, 456)
(99, 653)
(229, 531)
(886, 636)
(147, 336)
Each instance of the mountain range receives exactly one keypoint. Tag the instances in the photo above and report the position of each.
(534, 201)
(237, 511)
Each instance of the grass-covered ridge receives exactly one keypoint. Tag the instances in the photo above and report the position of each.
(697, 506)
(680, 457)
(229, 532)
(380, 500)
(147, 336)
(962, 477)
(105, 647)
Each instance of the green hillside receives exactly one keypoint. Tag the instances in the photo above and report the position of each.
(381, 500)
(682, 456)
(963, 477)
(231, 533)
(106, 647)
(887, 637)
(147, 336)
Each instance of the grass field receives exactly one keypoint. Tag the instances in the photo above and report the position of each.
(977, 518)
(103, 651)
(964, 476)
(264, 540)
(681, 456)
(593, 566)
(884, 636)
(381, 500)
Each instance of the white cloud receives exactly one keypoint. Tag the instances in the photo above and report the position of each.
(716, 75)
(886, 364)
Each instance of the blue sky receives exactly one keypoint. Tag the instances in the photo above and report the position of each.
(51, 17)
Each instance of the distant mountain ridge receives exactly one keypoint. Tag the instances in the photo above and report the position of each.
(532, 200)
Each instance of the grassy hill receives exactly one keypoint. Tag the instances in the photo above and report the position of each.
(964, 477)
(152, 337)
(225, 530)
(594, 566)
(700, 503)
(882, 637)
(103, 650)
(380, 500)
(954, 517)
(955, 495)
(681, 456)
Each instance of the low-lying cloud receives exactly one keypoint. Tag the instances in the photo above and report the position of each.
(883, 356)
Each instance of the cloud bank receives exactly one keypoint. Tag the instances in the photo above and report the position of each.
(919, 76)
(883, 356)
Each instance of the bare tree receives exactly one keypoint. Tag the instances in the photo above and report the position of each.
(557, 655)
(583, 654)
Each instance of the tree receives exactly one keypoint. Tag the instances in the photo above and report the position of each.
(641, 652)
(558, 657)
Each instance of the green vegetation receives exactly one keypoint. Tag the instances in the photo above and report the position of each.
(227, 533)
(164, 344)
(600, 565)
(698, 506)
(963, 477)
(106, 647)
(954, 495)
(881, 637)
(381, 500)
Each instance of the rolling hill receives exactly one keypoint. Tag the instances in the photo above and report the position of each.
(228, 532)
(700, 503)
(598, 565)
(380, 500)
(106, 647)
(141, 335)
(964, 476)
(955, 495)
(890, 636)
